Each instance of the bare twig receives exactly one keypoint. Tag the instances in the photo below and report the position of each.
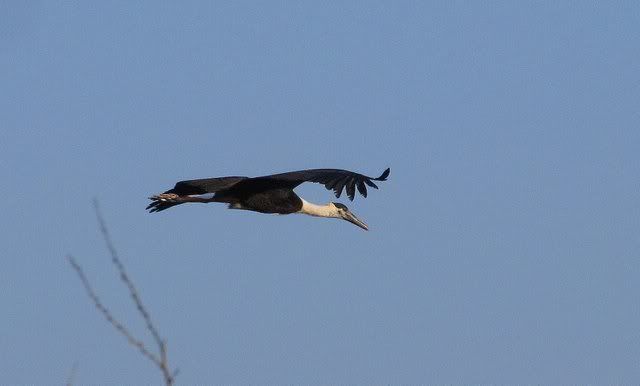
(107, 314)
(125, 278)
(159, 360)
(72, 374)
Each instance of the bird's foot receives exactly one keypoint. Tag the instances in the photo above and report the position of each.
(165, 197)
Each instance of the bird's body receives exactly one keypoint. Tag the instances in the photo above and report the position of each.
(279, 201)
(270, 194)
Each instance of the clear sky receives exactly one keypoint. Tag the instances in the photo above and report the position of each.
(504, 248)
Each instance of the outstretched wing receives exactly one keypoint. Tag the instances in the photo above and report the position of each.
(332, 179)
(205, 185)
(192, 187)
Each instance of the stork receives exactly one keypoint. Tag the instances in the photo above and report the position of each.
(271, 194)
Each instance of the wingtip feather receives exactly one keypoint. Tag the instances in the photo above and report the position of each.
(384, 175)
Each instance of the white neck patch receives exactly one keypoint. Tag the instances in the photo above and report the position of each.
(311, 209)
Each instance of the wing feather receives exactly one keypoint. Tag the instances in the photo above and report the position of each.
(351, 188)
(339, 186)
(205, 185)
(362, 188)
(370, 183)
(332, 179)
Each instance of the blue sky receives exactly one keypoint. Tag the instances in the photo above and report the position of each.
(503, 249)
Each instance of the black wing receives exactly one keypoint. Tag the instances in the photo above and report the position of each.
(186, 188)
(205, 185)
(332, 179)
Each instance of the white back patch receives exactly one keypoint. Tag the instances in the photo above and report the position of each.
(206, 196)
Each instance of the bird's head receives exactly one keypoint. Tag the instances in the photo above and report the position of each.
(341, 211)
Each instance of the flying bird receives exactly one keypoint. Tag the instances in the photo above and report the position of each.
(272, 194)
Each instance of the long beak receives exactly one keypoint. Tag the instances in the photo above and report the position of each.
(354, 220)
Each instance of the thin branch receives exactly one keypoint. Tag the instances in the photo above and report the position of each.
(159, 360)
(125, 278)
(107, 314)
(72, 374)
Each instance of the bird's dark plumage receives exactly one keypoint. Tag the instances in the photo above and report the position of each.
(203, 186)
(266, 194)
(332, 179)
